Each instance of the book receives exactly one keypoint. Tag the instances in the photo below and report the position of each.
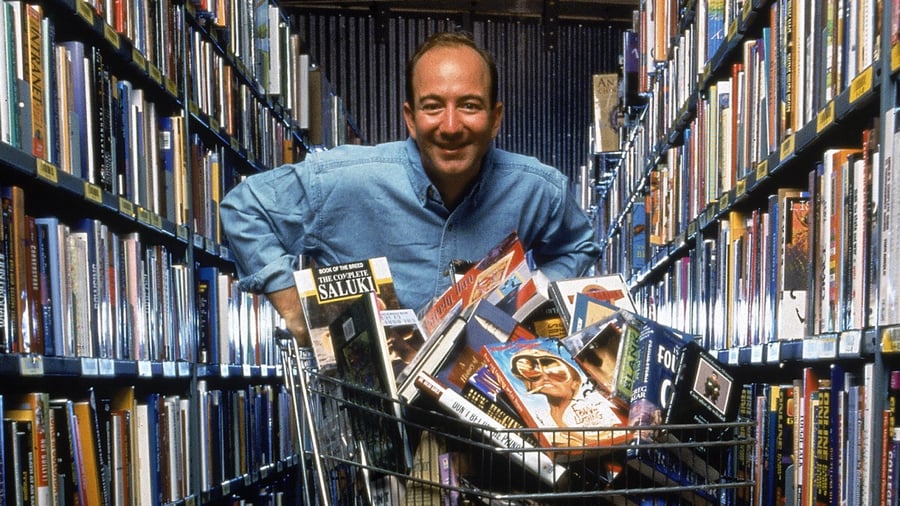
(405, 337)
(326, 291)
(364, 363)
(550, 392)
(485, 324)
(483, 390)
(34, 409)
(610, 288)
(68, 462)
(89, 480)
(18, 456)
(431, 357)
(501, 268)
(532, 460)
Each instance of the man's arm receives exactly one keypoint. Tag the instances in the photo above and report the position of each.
(287, 303)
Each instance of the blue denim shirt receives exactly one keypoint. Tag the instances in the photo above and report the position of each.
(358, 202)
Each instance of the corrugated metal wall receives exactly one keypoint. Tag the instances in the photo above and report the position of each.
(546, 93)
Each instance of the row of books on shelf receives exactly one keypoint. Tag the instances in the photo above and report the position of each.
(81, 289)
(129, 448)
(803, 263)
(568, 362)
(716, 125)
(815, 437)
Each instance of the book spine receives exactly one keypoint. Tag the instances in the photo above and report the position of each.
(532, 460)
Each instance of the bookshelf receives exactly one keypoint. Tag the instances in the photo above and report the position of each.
(117, 283)
(745, 100)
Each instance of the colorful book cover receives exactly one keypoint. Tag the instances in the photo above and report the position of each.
(326, 291)
(500, 269)
(551, 392)
(609, 288)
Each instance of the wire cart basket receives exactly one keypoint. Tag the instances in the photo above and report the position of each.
(350, 454)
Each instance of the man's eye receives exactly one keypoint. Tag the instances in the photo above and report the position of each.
(430, 107)
(471, 106)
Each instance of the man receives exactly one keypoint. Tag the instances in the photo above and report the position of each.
(443, 195)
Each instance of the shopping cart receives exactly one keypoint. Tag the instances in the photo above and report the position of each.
(356, 451)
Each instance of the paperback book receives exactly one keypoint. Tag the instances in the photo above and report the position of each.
(325, 292)
(549, 391)
(363, 362)
(609, 288)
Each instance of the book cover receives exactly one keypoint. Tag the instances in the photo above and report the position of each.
(499, 269)
(34, 408)
(326, 291)
(486, 324)
(405, 337)
(536, 462)
(68, 462)
(432, 356)
(550, 391)
(89, 479)
(18, 453)
(483, 390)
(363, 361)
(609, 288)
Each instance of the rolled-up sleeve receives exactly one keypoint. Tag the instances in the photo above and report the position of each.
(265, 218)
(569, 245)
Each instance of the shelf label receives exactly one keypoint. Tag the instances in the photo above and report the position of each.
(198, 241)
(788, 145)
(106, 367)
(226, 488)
(762, 170)
(895, 57)
(93, 193)
(47, 171)
(89, 366)
(745, 10)
(85, 11)
(170, 87)
(851, 343)
(145, 368)
(126, 207)
(741, 187)
(861, 84)
(234, 145)
(224, 370)
(169, 370)
(732, 30)
(155, 73)
(193, 108)
(184, 369)
(111, 36)
(734, 356)
(264, 370)
(143, 215)
(138, 58)
(182, 233)
(773, 353)
(156, 220)
(246, 371)
(757, 352)
(192, 500)
(214, 124)
(31, 365)
(825, 117)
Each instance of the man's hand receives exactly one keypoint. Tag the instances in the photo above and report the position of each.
(287, 303)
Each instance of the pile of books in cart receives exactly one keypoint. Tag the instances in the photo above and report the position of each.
(511, 389)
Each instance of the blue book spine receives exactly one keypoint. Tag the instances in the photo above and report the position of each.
(51, 302)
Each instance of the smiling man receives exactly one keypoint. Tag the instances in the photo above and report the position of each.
(443, 195)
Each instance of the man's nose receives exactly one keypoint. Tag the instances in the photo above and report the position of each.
(452, 122)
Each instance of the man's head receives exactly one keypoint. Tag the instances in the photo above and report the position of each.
(451, 110)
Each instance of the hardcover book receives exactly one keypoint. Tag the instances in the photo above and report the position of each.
(327, 291)
(609, 288)
(364, 362)
(405, 338)
(550, 391)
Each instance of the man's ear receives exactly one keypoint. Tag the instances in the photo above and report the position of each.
(409, 117)
(496, 119)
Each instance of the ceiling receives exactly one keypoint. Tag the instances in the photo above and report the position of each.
(588, 11)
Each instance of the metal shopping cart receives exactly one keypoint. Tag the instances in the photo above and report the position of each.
(357, 451)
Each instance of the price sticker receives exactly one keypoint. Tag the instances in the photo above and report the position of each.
(138, 58)
(224, 370)
(773, 353)
(733, 356)
(31, 365)
(169, 369)
(155, 73)
(184, 369)
(246, 370)
(143, 215)
(851, 343)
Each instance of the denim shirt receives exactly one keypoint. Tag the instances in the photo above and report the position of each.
(357, 202)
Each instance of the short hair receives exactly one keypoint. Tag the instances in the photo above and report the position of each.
(450, 39)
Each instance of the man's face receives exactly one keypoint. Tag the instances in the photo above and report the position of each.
(452, 120)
